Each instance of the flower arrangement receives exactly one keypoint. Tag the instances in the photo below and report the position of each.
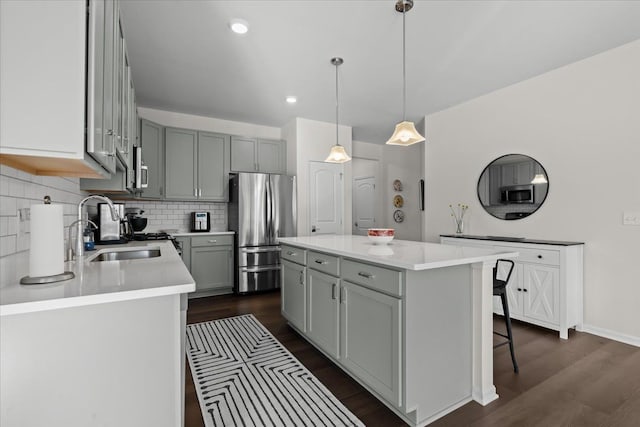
(458, 216)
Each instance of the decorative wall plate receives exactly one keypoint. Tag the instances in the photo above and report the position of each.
(398, 216)
(397, 185)
(398, 201)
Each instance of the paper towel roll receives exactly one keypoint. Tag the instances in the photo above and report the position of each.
(46, 254)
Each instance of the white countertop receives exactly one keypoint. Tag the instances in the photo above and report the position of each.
(200, 233)
(403, 254)
(104, 281)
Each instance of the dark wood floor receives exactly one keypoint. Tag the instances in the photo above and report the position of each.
(583, 381)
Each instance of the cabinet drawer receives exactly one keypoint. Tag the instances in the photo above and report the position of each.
(538, 256)
(294, 254)
(323, 262)
(211, 240)
(371, 276)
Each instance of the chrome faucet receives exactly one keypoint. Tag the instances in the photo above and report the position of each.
(70, 242)
(114, 216)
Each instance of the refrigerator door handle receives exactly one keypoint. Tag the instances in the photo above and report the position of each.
(259, 250)
(260, 269)
(269, 213)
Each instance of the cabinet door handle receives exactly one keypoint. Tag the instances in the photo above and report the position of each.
(525, 290)
(539, 256)
(302, 277)
(366, 275)
(321, 262)
(292, 253)
(333, 291)
(212, 241)
(195, 192)
(343, 296)
(199, 192)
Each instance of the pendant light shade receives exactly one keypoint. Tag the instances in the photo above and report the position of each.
(405, 132)
(539, 179)
(337, 153)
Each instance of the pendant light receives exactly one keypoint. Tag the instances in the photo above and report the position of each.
(337, 153)
(405, 132)
(539, 179)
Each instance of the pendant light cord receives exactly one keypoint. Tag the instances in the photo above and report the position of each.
(337, 105)
(404, 66)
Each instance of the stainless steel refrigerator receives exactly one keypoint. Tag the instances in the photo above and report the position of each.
(262, 208)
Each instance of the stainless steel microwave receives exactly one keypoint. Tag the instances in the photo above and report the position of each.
(141, 178)
(517, 194)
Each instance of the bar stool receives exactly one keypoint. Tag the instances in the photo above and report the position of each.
(499, 289)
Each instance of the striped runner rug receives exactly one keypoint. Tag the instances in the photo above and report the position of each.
(245, 377)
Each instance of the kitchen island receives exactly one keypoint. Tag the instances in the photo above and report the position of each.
(411, 321)
(104, 348)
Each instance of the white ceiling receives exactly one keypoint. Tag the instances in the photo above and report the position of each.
(185, 58)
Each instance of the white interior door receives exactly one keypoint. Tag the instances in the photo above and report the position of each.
(325, 198)
(364, 204)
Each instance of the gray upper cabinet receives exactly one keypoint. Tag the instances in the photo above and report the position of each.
(197, 165)
(100, 57)
(272, 156)
(181, 146)
(213, 166)
(109, 100)
(152, 141)
(258, 155)
(243, 154)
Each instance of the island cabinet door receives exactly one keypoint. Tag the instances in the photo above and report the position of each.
(293, 294)
(323, 314)
(370, 339)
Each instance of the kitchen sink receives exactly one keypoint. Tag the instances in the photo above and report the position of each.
(127, 255)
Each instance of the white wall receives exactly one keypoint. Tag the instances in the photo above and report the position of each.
(405, 164)
(313, 141)
(211, 124)
(582, 123)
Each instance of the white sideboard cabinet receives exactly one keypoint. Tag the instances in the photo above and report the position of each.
(546, 286)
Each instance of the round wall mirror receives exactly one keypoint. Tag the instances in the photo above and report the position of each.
(513, 186)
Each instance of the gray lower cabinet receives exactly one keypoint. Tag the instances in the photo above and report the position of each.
(370, 338)
(258, 155)
(212, 264)
(323, 325)
(209, 258)
(196, 165)
(358, 325)
(294, 294)
(152, 141)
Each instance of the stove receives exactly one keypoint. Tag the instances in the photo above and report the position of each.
(158, 236)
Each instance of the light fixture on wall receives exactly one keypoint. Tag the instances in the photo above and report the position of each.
(539, 179)
(405, 132)
(337, 153)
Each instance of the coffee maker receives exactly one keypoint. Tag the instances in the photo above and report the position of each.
(110, 231)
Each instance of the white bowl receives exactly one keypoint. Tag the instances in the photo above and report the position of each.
(380, 236)
(380, 240)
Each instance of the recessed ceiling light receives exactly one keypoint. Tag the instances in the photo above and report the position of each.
(292, 99)
(239, 26)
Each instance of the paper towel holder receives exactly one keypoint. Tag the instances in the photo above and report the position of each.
(28, 280)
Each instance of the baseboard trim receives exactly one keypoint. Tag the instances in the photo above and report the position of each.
(612, 335)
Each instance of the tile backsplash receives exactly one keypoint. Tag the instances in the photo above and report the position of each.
(19, 190)
(176, 215)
